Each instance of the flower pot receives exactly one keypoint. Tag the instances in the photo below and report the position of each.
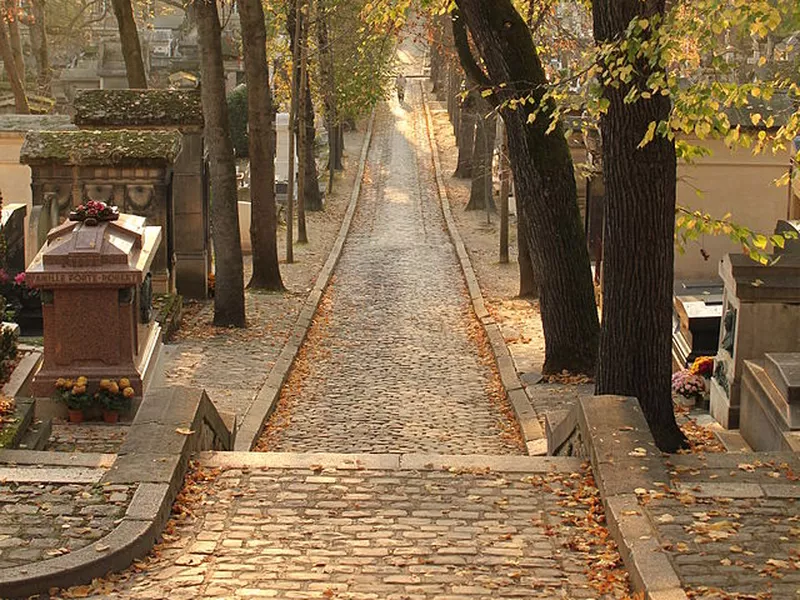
(75, 415)
(110, 416)
(684, 401)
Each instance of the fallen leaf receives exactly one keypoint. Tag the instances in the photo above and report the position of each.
(666, 518)
(184, 431)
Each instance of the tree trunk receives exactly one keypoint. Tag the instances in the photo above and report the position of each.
(528, 283)
(229, 310)
(307, 162)
(453, 85)
(340, 147)
(466, 138)
(327, 77)
(505, 187)
(41, 53)
(480, 193)
(261, 148)
(437, 56)
(131, 49)
(313, 197)
(543, 179)
(635, 339)
(302, 138)
(12, 15)
(17, 87)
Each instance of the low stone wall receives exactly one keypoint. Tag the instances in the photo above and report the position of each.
(96, 513)
(687, 524)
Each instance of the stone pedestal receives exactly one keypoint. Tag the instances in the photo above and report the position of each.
(760, 314)
(770, 403)
(96, 291)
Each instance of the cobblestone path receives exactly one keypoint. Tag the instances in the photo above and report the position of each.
(369, 528)
(394, 363)
(731, 524)
(42, 520)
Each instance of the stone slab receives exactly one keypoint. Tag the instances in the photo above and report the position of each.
(301, 460)
(512, 464)
(29, 474)
(783, 368)
(559, 426)
(57, 459)
(150, 502)
(526, 415)
(649, 566)
(626, 476)
(777, 490)
(670, 594)
(143, 467)
(722, 490)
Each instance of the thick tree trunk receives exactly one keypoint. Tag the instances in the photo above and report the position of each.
(17, 87)
(635, 339)
(480, 193)
(41, 53)
(229, 310)
(544, 183)
(261, 146)
(131, 49)
(12, 15)
(466, 138)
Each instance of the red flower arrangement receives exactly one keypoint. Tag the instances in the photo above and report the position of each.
(92, 212)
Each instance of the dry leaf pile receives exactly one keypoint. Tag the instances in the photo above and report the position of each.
(583, 521)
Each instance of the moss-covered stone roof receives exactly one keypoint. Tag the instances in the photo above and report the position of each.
(109, 147)
(138, 108)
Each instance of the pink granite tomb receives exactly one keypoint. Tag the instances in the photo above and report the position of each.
(96, 290)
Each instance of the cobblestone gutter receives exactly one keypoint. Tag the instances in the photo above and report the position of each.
(68, 518)
(267, 397)
(530, 427)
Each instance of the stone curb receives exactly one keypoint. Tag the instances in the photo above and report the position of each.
(268, 394)
(624, 457)
(528, 420)
(390, 462)
(23, 372)
(155, 456)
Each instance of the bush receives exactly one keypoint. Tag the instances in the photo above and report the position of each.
(8, 353)
(237, 117)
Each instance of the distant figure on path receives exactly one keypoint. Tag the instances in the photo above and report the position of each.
(400, 84)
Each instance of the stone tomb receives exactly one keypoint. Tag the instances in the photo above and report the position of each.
(770, 398)
(128, 169)
(96, 302)
(15, 178)
(188, 226)
(697, 311)
(12, 232)
(760, 314)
